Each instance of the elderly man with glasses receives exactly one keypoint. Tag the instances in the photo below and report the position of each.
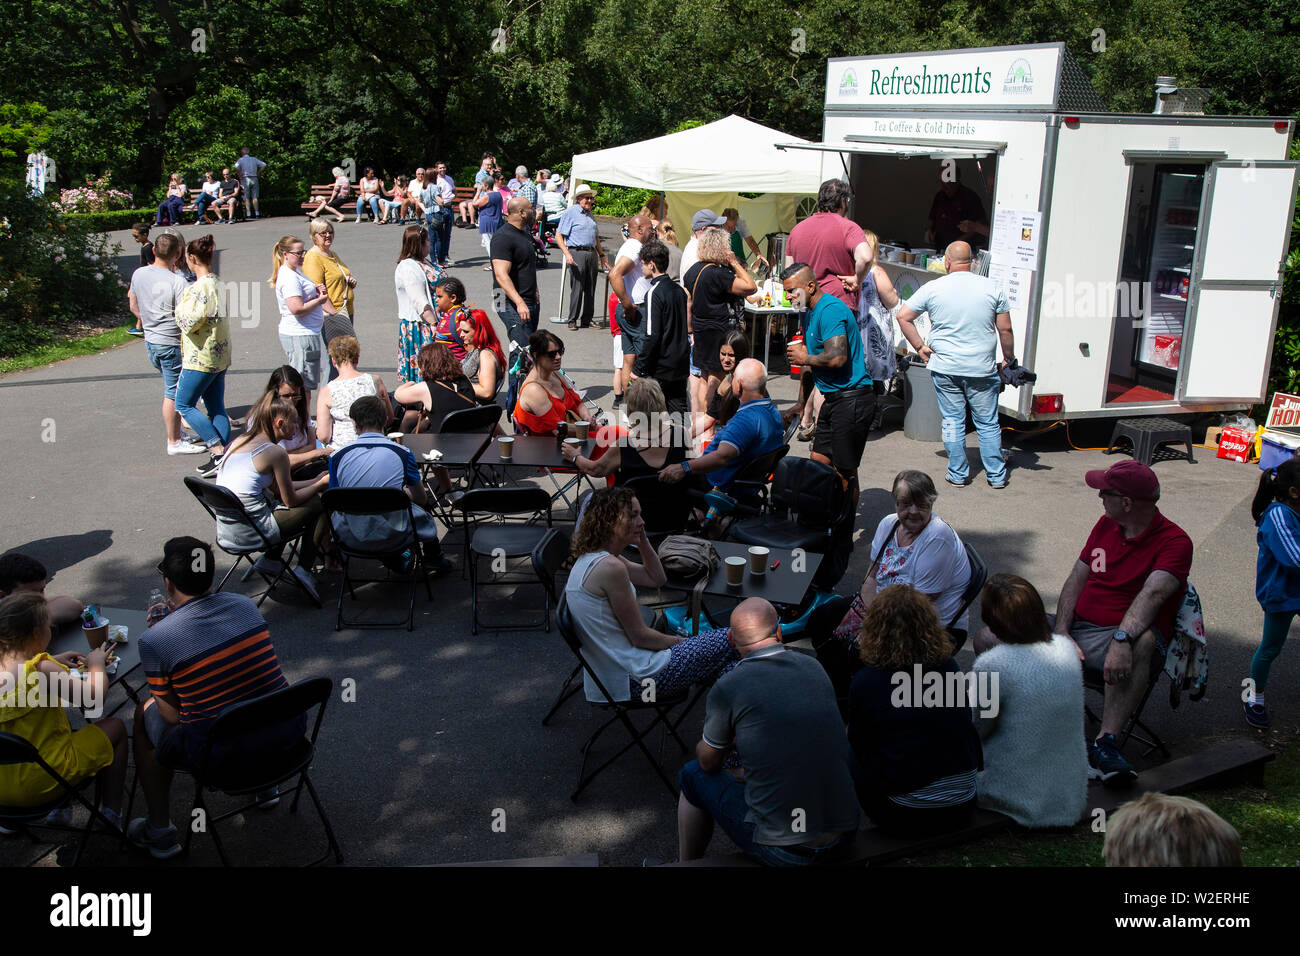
(579, 240)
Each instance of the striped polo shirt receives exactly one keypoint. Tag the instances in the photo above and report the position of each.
(209, 653)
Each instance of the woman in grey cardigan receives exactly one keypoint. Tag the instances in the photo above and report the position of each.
(1035, 758)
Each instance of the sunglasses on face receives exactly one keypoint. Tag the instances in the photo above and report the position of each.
(554, 354)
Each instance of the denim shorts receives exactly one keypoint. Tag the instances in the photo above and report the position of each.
(723, 796)
(166, 359)
(303, 353)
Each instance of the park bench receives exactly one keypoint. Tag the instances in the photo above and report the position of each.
(1230, 761)
(208, 215)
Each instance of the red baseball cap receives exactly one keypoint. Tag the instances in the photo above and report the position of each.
(1130, 478)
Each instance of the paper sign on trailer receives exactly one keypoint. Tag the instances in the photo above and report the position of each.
(1284, 412)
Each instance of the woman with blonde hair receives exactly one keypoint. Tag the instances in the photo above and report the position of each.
(337, 198)
(668, 235)
(653, 440)
(715, 287)
(916, 758)
(169, 210)
(333, 424)
(303, 306)
(324, 266)
(877, 301)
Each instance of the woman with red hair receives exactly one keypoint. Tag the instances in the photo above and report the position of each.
(484, 363)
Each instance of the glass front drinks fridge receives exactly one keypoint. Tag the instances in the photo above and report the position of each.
(1176, 213)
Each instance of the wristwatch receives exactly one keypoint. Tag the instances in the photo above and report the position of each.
(1121, 636)
(686, 467)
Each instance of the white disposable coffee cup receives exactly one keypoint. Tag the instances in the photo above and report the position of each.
(507, 447)
(758, 560)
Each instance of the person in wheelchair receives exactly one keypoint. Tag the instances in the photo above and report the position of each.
(755, 430)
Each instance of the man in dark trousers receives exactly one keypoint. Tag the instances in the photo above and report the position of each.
(665, 356)
(514, 280)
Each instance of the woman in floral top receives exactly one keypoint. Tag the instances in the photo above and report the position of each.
(205, 355)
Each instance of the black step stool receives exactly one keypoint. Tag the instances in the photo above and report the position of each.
(1148, 434)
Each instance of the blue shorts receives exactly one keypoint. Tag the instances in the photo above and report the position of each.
(166, 359)
(723, 796)
(168, 739)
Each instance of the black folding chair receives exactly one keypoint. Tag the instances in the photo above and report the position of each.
(482, 420)
(15, 751)
(750, 486)
(375, 524)
(257, 773)
(661, 705)
(500, 540)
(1095, 681)
(979, 575)
(222, 503)
(839, 660)
(548, 559)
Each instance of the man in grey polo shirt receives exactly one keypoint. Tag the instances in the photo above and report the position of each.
(796, 805)
(579, 240)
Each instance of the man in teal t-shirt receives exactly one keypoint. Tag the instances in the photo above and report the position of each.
(833, 359)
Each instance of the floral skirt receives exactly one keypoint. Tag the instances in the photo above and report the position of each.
(411, 337)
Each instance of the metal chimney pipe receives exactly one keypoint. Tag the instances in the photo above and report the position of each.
(1164, 86)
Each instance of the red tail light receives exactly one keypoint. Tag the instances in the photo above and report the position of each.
(1047, 404)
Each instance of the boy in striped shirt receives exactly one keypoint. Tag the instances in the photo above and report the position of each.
(211, 651)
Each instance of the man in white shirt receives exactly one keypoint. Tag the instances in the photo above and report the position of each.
(627, 282)
(250, 168)
(443, 212)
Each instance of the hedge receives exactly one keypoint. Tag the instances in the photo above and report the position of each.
(126, 218)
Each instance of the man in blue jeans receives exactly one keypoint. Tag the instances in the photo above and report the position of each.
(514, 281)
(792, 801)
(969, 319)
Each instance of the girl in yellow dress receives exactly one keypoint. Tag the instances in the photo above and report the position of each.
(28, 712)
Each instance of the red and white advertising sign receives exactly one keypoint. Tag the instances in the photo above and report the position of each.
(1284, 412)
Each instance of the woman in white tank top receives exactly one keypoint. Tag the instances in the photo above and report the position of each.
(254, 466)
(333, 424)
(601, 595)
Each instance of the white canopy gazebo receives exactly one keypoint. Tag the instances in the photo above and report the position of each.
(707, 167)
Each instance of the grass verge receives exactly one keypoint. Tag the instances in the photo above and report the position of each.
(69, 348)
(1267, 817)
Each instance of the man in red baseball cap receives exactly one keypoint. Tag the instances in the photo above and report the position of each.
(1119, 602)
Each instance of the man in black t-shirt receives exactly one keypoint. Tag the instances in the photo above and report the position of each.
(514, 280)
(953, 204)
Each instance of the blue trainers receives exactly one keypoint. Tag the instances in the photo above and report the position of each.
(1256, 715)
(1107, 764)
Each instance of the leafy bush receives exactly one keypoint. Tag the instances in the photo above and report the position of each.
(619, 201)
(52, 273)
(108, 221)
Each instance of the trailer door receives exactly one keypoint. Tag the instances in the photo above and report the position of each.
(1237, 280)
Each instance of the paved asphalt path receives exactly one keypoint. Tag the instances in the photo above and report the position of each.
(444, 733)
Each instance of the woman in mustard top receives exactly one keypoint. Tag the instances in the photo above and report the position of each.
(27, 712)
(205, 355)
(323, 265)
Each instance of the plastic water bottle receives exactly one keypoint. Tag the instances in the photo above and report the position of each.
(157, 607)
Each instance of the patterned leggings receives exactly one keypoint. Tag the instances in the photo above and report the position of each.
(701, 659)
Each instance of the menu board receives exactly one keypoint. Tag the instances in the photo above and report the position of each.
(1014, 240)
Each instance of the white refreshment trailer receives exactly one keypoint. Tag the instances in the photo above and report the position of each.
(1143, 254)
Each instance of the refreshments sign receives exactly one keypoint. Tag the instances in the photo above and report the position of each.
(1284, 411)
(1007, 78)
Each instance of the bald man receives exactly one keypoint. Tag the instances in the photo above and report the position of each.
(629, 284)
(753, 431)
(792, 801)
(969, 320)
(514, 278)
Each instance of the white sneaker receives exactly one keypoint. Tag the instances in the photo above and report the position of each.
(308, 582)
(269, 565)
(185, 448)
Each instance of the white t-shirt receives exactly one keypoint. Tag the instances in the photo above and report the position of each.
(157, 290)
(633, 280)
(690, 256)
(289, 283)
(412, 290)
(211, 188)
(935, 563)
(963, 310)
